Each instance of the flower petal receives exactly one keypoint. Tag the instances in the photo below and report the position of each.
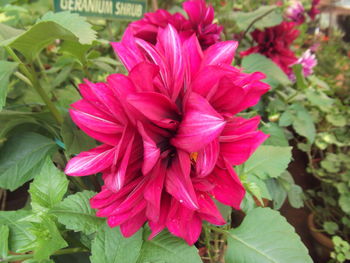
(142, 75)
(91, 162)
(131, 226)
(200, 125)
(207, 158)
(208, 210)
(220, 53)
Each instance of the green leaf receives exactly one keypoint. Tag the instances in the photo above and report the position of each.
(6, 69)
(49, 187)
(330, 227)
(62, 25)
(277, 136)
(303, 123)
(48, 240)
(277, 192)
(274, 75)
(265, 237)
(295, 196)
(4, 241)
(337, 119)
(75, 140)
(76, 214)
(167, 248)
(319, 99)
(268, 161)
(109, 246)
(299, 75)
(20, 158)
(264, 16)
(20, 235)
(77, 50)
(7, 32)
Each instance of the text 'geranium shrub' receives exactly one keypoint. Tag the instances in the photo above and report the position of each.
(169, 133)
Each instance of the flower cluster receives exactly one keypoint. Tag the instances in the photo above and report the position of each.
(295, 12)
(170, 132)
(275, 43)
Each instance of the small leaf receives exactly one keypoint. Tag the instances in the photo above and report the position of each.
(274, 75)
(6, 69)
(265, 237)
(76, 214)
(109, 246)
(295, 196)
(277, 136)
(21, 157)
(303, 123)
(49, 187)
(268, 161)
(330, 227)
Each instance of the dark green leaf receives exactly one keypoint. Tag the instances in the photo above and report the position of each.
(265, 237)
(76, 213)
(49, 187)
(20, 154)
(6, 69)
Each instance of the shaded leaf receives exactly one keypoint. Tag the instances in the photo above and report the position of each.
(6, 69)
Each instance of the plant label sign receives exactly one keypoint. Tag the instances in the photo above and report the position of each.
(117, 9)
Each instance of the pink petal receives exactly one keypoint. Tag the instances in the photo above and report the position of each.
(238, 126)
(220, 53)
(194, 55)
(194, 10)
(91, 162)
(131, 226)
(237, 149)
(156, 107)
(142, 76)
(151, 152)
(201, 124)
(120, 218)
(158, 225)
(178, 182)
(207, 158)
(169, 41)
(208, 210)
(228, 188)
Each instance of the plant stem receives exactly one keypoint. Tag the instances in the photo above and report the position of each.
(256, 20)
(31, 75)
(27, 256)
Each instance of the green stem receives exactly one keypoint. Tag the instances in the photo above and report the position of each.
(59, 252)
(31, 75)
(42, 68)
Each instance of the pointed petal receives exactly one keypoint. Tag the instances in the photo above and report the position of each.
(160, 224)
(193, 54)
(237, 149)
(142, 75)
(179, 184)
(228, 188)
(220, 53)
(131, 226)
(207, 158)
(201, 124)
(208, 210)
(91, 162)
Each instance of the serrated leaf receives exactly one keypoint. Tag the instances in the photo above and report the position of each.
(277, 137)
(274, 75)
(62, 25)
(20, 235)
(167, 248)
(4, 241)
(303, 123)
(109, 246)
(6, 69)
(265, 237)
(49, 187)
(74, 139)
(268, 161)
(76, 214)
(19, 155)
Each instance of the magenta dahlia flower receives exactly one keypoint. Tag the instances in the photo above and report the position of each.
(199, 22)
(295, 12)
(274, 43)
(169, 134)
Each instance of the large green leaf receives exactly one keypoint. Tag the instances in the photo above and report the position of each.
(74, 139)
(167, 248)
(76, 214)
(274, 75)
(277, 136)
(6, 69)
(20, 158)
(109, 246)
(49, 187)
(4, 240)
(7, 32)
(265, 237)
(268, 161)
(51, 26)
(20, 235)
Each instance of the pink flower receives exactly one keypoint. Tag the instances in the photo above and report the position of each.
(308, 61)
(199, 22)
(169, 132)
(295, 12)
(314, 10)
(274, 42)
